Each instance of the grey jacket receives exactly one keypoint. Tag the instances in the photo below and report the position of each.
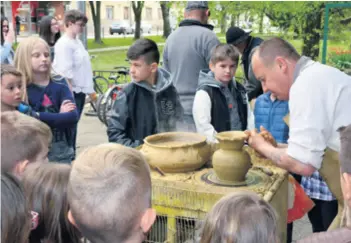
(187, 51)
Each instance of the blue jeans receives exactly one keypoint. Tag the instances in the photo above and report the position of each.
(80, 101)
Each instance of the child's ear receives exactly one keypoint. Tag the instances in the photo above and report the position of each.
(71, 219)
(148, 219)
(154, 67)
(20, 167)
(212, 66)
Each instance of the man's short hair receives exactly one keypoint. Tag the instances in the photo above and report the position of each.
(74, 16)
(223, 52)
(109, 189)
(270, 49)
(144, 48)
(9, 69)
(22, 138)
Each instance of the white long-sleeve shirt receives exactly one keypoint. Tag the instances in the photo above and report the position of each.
(72, 61)
(202, 116)
(319, 104)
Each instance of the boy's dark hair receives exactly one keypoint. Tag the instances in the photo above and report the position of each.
(73, 16)
(222, 52)
(15, 216)
(144, 48)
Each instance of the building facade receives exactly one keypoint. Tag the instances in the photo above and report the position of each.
(115, 11)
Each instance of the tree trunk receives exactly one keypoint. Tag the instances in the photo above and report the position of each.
(165, 16)
(311, 34)
(296, 34)
(224, 22)
(232, 20)
(260, 28)
(96, 20)
(137, 9)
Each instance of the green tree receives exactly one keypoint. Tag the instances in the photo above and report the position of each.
(96, 14)
(137, 9)
(165, 7)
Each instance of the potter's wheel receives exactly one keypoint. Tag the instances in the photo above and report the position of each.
(254, 176)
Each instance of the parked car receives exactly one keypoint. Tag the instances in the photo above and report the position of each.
(121, 28)
(144, 28)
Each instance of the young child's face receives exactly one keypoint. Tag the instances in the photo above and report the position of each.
(140, 70)
(40, 58)
(11, 90)
(224, 70)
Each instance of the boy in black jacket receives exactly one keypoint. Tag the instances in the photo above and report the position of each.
(149, 104)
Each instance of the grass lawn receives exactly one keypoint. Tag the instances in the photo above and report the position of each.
(113, 42)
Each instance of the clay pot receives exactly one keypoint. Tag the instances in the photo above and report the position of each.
(176, 152)
(231, 162)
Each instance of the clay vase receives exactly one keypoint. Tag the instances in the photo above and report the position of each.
(231, 162)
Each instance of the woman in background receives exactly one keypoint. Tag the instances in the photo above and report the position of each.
(49, 30)
(7, 38)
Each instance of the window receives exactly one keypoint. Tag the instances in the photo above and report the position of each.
(159, 13)
(109, 12)
(126, 13)
(149, 13)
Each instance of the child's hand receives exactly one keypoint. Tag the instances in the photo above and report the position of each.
(67, 106)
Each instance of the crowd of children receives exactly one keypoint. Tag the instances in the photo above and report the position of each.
(105, 195)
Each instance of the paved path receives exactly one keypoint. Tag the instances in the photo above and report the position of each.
(92, 132)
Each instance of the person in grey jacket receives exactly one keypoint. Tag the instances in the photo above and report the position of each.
(187, 51)
(246, 43)
(149, 104)
(220, 103)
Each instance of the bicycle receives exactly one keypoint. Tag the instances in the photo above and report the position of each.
(105, 102)
(100, 85)
(115, 76)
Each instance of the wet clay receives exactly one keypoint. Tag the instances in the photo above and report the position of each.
(231, 162)
(176, 152)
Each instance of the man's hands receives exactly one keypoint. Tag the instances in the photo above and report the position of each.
(257, 139)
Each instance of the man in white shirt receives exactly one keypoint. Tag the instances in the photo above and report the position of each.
(319, 102)
(72, 60)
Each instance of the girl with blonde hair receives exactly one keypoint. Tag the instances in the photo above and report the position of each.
(240, 218)
(48, 96)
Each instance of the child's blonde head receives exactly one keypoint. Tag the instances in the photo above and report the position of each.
(240, 218)
(109, 192)
(23, 57)
(22, 138)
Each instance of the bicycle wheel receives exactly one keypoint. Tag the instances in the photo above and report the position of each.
(100, 108)
(110, 98)
(100, 84)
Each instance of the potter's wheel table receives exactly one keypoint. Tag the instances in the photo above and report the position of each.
(192, 195)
